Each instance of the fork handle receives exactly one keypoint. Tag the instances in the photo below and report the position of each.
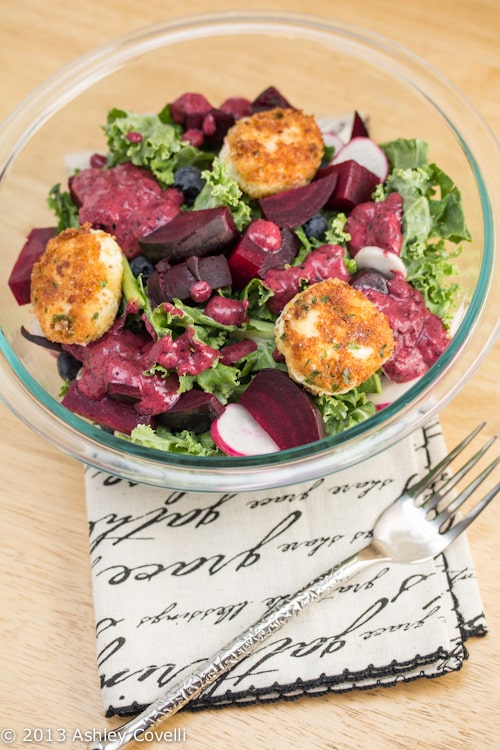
(188, 689)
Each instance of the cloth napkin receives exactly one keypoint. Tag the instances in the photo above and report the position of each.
(177, 575)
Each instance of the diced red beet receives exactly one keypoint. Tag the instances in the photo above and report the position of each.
(195, 410)
(367, 153)
(194, 136)
(294, 207)
(177, 281)
(189, 110)
(186, 354)
(126, 201)
(98, 160)
(325, 262)
(200, 291)
(124, 382)
(283, 409)
(265, 234)
(33, 248)
(158, 393)
(213, 268)
(355, 184)
(215, 125)
(238, 106)
(107, 412)
(201, 233)
(419, 336)
(359, 129)
(270, 98)
(227, 311)
(250, 260)
(377, 223)
(232, 353)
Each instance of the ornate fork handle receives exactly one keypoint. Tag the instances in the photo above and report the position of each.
(185, 691)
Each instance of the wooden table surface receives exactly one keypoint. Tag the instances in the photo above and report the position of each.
(48, 676)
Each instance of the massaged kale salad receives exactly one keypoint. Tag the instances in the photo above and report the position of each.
(240, 279)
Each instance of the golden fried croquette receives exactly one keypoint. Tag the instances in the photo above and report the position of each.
(76, 285)
(332, 337)
(273, 150)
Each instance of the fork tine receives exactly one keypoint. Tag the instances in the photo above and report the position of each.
(419, 487)
(453, 480)
(458, 501)
(464, 522)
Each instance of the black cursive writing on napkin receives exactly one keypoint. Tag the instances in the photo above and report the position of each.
(176, 575)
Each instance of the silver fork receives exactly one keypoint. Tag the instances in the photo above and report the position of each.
(414, 528)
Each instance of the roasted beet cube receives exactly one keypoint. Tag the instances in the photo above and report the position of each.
(294, 207)
(355, 184)
(106, 412)
(232, 353)
(177, 281)
(238, 106)
(227, 311)
(254, 255)
(215, 125)
(189, 110)
(203, 232)
(195, 410)
(378, 223)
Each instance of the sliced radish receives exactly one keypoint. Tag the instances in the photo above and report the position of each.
(365, 152)
(237, 433)
(380, 260)
(333, 139)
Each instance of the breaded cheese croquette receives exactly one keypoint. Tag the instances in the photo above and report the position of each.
(273, 150)
(76, 285)
(332, 337)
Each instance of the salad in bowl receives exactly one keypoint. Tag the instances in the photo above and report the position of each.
(240, 277)
(221, 276)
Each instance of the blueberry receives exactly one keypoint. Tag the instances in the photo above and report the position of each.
(189, 181)
(68, 366)
(316, 226)
(139, 265)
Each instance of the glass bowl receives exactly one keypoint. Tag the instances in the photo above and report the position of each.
(326, 68)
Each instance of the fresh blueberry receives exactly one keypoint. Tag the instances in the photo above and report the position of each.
(68, 366)
(316, 226)
(189, 181)
(139, 265)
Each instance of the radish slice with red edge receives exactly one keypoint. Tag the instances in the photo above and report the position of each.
(237, 433)
(378, 259)
(365, 152)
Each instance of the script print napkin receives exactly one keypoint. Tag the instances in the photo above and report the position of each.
(177, 575)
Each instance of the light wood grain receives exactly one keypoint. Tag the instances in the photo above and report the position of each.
(48, 675)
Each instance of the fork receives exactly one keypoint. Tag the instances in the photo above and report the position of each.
(417, 526)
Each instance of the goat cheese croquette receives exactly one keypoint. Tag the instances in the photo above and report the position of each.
(273, 150)
(76, 285)
(332, 337)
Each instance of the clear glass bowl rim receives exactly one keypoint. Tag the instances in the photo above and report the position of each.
(88, 443)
